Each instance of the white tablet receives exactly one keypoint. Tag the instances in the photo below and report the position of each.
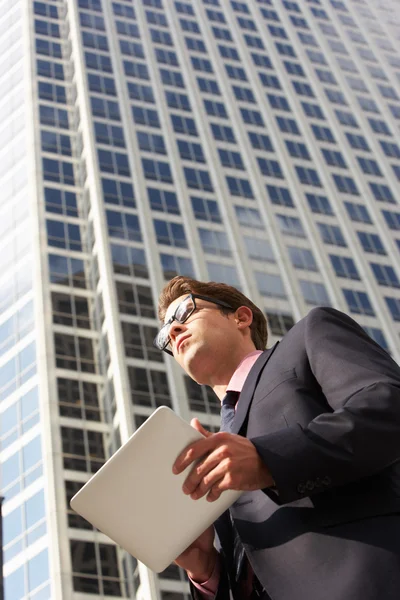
(138, 502)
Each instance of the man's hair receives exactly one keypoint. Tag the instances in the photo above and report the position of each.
(178, 286)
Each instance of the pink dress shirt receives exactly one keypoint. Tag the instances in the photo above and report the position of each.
(209, 588)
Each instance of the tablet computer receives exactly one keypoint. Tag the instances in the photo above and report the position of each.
(138, 502)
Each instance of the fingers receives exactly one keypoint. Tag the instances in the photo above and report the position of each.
(202, 476)
(196, 451)
(195, 423)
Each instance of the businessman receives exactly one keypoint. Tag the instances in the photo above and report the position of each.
(310, 432)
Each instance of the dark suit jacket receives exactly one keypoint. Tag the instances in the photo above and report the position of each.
(322, 408)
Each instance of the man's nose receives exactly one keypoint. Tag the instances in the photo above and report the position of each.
(175, 329)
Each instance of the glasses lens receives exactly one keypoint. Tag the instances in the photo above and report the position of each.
(162, 337)
(184, 310)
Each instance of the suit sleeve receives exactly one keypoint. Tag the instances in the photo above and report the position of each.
(359, 434)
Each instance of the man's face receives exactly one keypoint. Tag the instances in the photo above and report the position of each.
(203, 344)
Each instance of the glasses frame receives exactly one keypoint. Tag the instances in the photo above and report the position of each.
(173, 317)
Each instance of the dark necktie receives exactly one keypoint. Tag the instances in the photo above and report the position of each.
(228, 410)
(227, 417)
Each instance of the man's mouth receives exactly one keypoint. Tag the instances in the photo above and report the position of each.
(180, 342)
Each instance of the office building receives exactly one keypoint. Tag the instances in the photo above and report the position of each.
(254, 142)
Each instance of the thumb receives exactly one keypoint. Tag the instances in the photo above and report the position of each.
(195, 423)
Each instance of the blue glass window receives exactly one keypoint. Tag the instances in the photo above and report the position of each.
(98, 62)
(331, 234)
(302, 258)
(57, 170)
(118, 192)
(333, 158)
(157, 170)
(259, 249)
(314, 293)
(319, 204)
(394, 307)
(223, 133)
(101, 84)
(358, 302)
(371, 242)
(163, 200)
(230, 159)
(297, 150)
(184, 125)
(208, 86)
(392, 219)
(56, 117)
(270, 168)
(270, 285)
(239, 187)
(205, 210)
(198, 179)
(358, 212)
(249, 217)
(385, 275)
(308, 176)
(145, 116)
(113, 162)
(176, 100)
(63, 235)
(215, 109)
(290, 225)
(110, 135)
(151, 142)
(123, 225)
(260, 141)
(139, 70)
(170, 234)
(345, 185)
(382, 193)
(176, 265)
(141, 92)
(323, 134)
(49, 69)
(344, 266)
(172, 78)
(107, 109)
(214, 242)
(280, 196)
(288, 125)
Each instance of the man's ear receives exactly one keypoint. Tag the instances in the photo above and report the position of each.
(243, 316)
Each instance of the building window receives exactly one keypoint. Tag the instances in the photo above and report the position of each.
(259, 249)
(344, 266)
(358, 302)
(385, 275)
(371, 242)
(302, 258)
(319, 204)
(314, 293)
(95, 568)
(394, 307)
(134, 299)
(176, 265)
(129, 261)
(358, 212)
(270, 285)
(279, 323)
(149, 387)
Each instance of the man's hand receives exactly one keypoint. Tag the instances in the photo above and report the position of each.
(226, 462)
(200, 557)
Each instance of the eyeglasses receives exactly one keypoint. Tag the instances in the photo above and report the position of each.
(182, 312)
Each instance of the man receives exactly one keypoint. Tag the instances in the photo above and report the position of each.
(314, 443)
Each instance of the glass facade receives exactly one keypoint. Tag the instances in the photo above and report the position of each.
(250, 142)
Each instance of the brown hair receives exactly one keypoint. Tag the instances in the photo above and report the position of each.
(178, 286)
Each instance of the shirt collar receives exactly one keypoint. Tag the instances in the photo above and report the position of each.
(237, 380)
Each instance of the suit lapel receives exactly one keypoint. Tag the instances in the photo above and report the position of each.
(249, 387)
